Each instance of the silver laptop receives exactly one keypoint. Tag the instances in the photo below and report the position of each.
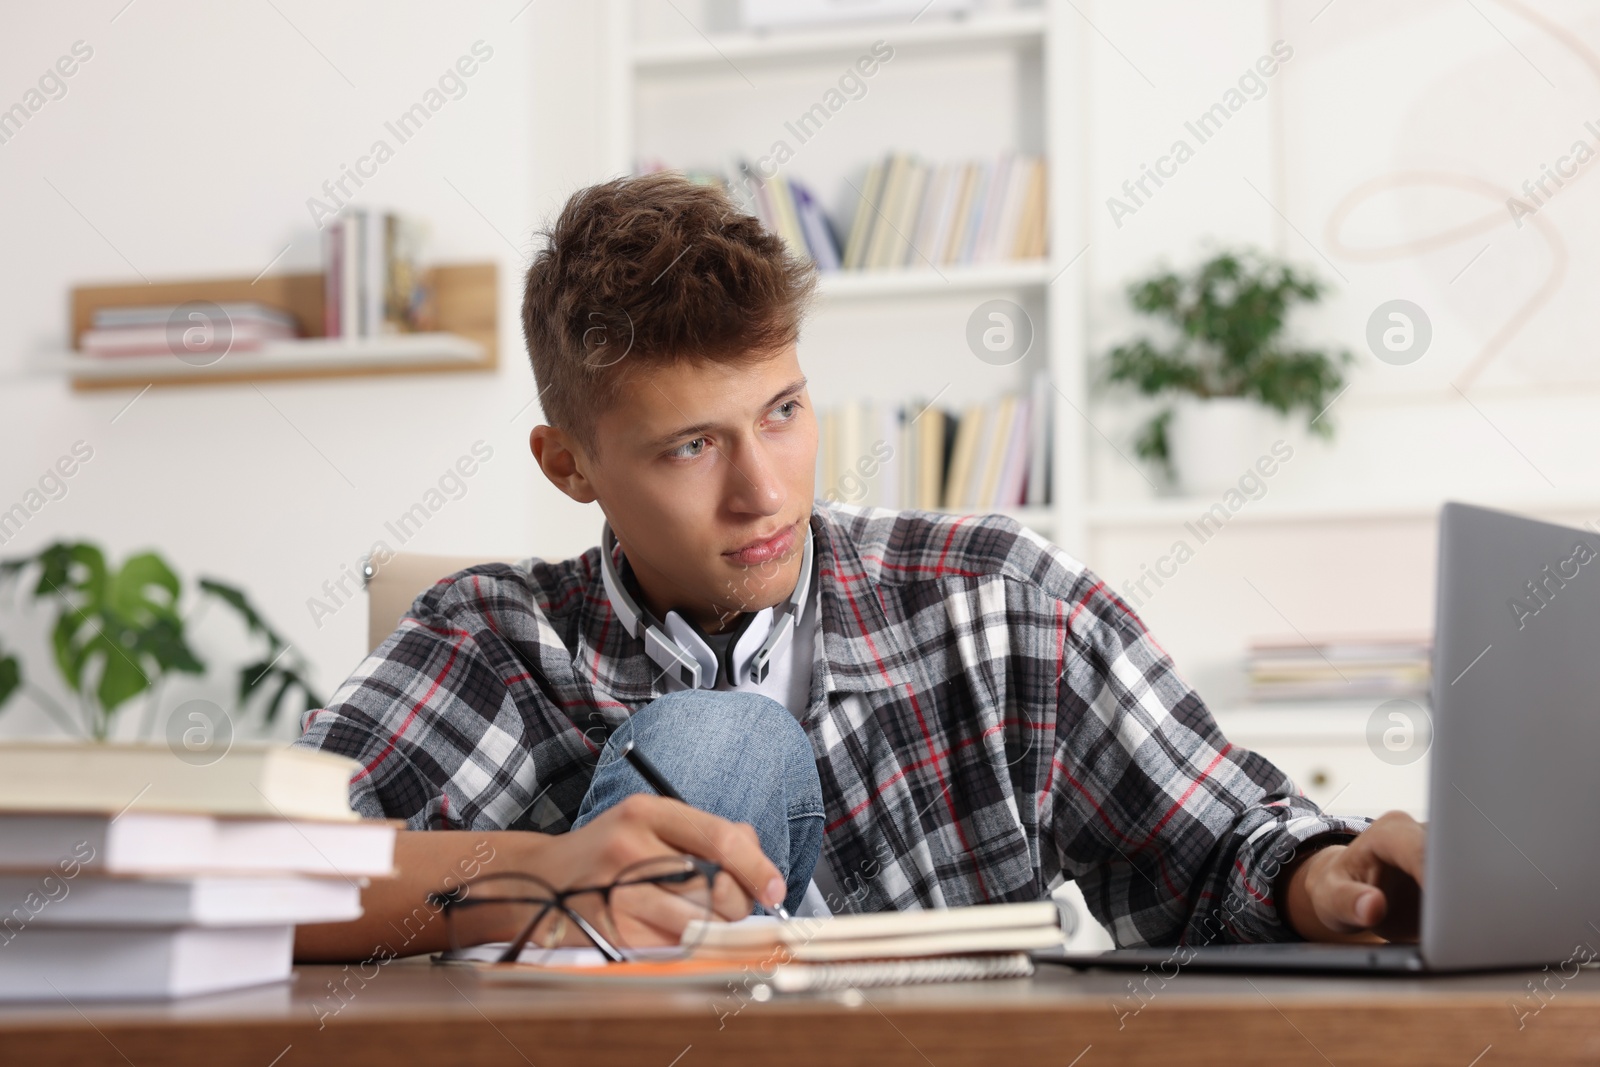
(1513, 854)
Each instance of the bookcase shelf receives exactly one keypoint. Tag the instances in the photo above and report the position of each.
(1018, 27)
(919, 281)
(689, 96)
(464, 299)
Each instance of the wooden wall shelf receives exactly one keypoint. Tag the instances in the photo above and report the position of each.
(465, 300)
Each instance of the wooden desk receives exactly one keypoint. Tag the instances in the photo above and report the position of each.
(413, 1013)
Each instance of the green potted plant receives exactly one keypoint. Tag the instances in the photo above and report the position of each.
(118, 634)
(1225, 360)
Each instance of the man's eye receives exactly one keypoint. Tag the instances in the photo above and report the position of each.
(787, 409)
(691, 449)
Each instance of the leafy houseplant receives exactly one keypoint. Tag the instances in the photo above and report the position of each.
(118, 634)
(1229, 315)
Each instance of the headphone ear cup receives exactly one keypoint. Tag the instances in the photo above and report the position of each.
(693, 641)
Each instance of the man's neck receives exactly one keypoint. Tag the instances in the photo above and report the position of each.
(710, 618)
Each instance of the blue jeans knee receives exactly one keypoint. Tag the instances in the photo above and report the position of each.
(741, 756)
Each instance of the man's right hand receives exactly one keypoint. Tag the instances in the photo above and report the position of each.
(644, 827)
(641, 827)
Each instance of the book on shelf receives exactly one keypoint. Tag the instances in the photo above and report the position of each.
(1348, 667)
(969, 431)
(1037, 471)
(992, 455)
(162, 329)
(371, 281)
(905, 213)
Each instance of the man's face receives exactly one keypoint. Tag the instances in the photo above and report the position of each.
(706, 474)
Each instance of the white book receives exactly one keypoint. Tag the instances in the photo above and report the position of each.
(994, 199)
(241, 336)
(129, 963)
(861, 223)
(158, 315)
(148, 842)
(374, 271)
(885, 243)
(979, 928)
(970, 218)
(254, 779)
(208, 900)
(956, 177)
(886, 442)
(902, 252)
(933, 196)
(1016, 196)
(847, 475)
(350, 269)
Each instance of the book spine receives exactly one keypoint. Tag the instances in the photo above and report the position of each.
(974, 212)
(1039, 453)
(332, 279)
(350, 278)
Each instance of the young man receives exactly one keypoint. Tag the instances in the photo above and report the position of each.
(864, 709)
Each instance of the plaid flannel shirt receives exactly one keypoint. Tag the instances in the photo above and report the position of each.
(988, 719)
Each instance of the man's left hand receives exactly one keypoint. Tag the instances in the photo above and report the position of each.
(1369, 887)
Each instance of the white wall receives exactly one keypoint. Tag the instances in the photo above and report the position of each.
(187, 146)
(1421, 119)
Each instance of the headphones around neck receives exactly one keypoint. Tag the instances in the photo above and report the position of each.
(681, 648)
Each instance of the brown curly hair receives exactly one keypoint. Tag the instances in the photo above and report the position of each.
(646, 271)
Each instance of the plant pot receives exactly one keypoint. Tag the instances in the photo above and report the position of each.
(1213, 442)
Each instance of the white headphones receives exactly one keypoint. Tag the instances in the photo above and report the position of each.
(680, 647)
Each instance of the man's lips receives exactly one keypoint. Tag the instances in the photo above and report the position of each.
(777, 546)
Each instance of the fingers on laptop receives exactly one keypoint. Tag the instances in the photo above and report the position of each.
(1396, 839)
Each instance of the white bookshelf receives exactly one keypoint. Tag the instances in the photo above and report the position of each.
(853, 284)
(1010, 27)
(687, 88)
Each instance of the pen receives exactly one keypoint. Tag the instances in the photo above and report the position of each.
(659, 783)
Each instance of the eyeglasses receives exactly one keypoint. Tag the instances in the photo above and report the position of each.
(644, 913)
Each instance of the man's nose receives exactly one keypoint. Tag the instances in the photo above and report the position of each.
(754, 485)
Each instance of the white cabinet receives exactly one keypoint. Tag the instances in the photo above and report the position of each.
(1339, 757)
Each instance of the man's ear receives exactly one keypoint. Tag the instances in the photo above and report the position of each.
(563, 461)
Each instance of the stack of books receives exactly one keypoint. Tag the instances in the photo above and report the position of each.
(128, 874)
(989, 456)
(909, 214)
(1356, 667)
(370, 279)
(169, 328)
